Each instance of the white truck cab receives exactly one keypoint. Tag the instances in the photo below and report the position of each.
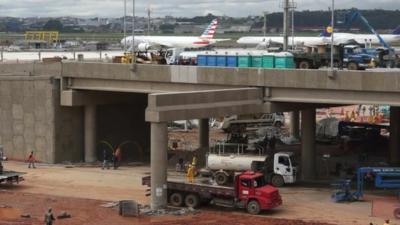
(279, 169)
(284, 168)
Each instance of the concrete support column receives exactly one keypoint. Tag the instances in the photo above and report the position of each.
(394, 144)
(294, 124)
(308, 157)
(204, 144)
(159, 162)
(90, 133)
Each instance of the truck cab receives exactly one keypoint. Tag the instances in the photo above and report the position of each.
(254, 193)
(284, 169)
(355, 58)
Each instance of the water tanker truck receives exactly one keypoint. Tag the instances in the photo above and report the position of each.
(278, 169)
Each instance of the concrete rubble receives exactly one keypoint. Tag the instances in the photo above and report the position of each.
(64, 215)
(146, 210)
(26, 215)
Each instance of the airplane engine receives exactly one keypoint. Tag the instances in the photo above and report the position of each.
(142, 47)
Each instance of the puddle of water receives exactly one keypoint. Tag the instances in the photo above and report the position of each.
(9, 213)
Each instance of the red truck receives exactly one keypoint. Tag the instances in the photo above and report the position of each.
(250, 191)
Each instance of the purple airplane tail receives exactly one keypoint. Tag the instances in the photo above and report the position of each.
(396, 31)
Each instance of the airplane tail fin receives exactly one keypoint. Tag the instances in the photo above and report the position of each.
(396, 31)
(326, 32)
(210, 30)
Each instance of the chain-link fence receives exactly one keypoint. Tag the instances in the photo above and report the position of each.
(30, 56)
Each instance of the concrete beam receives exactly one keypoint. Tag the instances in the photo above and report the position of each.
(326, 96)
(30, 69)
(138, 86)
(204, 142)
(159, 164)
(371, 81)
(82, 98)
(308, 157)
(203, 104)
(90, 133)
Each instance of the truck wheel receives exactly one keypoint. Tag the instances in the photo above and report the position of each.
(176, 199)
(396, 213)
(191, 200)
(253, 207)
(221, 178)
(352, 66)
(304, 65)
(277, 180)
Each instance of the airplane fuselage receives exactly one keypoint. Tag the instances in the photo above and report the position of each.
(170, 41)
(339, 38)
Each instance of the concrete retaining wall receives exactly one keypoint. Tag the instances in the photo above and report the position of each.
(31, 118)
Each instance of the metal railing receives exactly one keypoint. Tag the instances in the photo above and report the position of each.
(31, 56)
(222, 148)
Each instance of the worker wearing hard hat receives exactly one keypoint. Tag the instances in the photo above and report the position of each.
(190, 174)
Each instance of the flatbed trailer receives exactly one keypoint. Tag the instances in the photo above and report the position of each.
(10, 177)
(249, 191)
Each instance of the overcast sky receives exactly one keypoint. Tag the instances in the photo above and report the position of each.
(188, 8)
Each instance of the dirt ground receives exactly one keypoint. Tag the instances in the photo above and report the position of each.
(80, 191)
(89, 212)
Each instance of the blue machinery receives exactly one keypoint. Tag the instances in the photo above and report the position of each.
(356, 14)
(353, 15)
(384, 177)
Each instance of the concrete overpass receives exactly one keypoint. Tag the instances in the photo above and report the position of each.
(182, 92)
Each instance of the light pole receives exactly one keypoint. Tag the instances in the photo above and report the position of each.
(293, 6)
(124, 26)
(333, 31)
(265, 24)
(133, 37)
(285, 24)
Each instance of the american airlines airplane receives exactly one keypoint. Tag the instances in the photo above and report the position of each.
(144, 43)
(324, 38)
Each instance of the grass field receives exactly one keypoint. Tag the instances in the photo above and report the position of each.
(116, 37)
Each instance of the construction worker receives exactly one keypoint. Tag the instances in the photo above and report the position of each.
(194, 161)
(48, 217)
(117, 157)
(353, 116)
(105, 159)
(190, 174)
(31, 160)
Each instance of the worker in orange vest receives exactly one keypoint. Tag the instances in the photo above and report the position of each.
(190, 174)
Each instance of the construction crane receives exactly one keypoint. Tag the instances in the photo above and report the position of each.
(355, 14)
